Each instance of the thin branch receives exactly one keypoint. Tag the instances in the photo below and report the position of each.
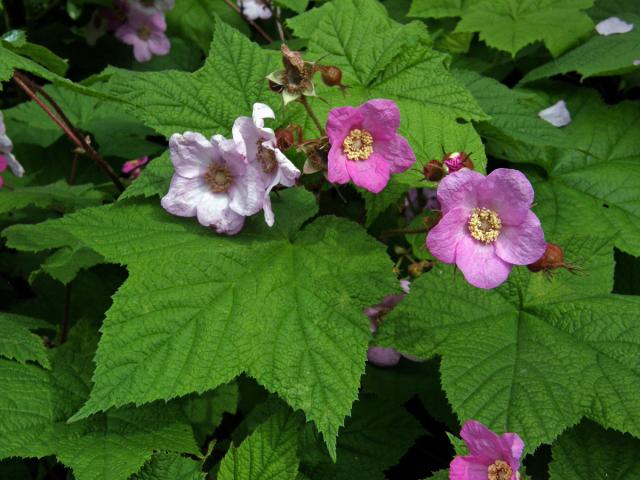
(32, 89)
(311, 114)
(251, 22)
(279, 25)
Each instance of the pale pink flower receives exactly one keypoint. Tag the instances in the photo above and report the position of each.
(6, 149)
(133, 168)
(212, 182)
(365, 146)
(612, 26)
(255, 9)
(490, 456)
(487, 225)
(557, 114)
(146, 34)
(259, 145)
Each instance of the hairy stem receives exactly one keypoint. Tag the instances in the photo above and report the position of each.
(249, 21)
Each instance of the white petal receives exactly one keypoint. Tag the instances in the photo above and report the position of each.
(260, 112)
(191, 154)
(613, 25)
(557, 114)
(14, 165)
(214, 212)
(184, 195)
(254, 10)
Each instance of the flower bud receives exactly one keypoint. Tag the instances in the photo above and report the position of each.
(457, 160)
(433, 171)
(332, 76)
(553, 259)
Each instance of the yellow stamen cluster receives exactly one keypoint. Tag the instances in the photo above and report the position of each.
(499, 470)
(358, 145)
(484, 225)
(219, 178)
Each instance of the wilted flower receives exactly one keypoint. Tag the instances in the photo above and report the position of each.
(133, 168)
(557, 114)
(487, 225)
(146, 34)
(365, 146)
(6, 155)
(259, 145)
(297, 77)
(457, 161)
(213, 182)
(491, 457)
(255, 9)
(613, 25)
(382, 356)
(149, 7)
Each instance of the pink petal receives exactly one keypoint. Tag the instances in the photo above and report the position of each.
(191, 154)
(3, 163)
(468, 468)
(246, 134)
(246, 197)
(127, 34)
(459, 190)
(371, 174)
(381, 118)
(481, 441)
(157, 21)
(383, 357)
(159, 44)
(397, 152)
(337, 165)
(260, 112)
(479, 263)
(141, 52)
(507, 192)
(512, 448)
(521, 244)
(442, 240)
(213, 211)
(340, 122)
(184, 195)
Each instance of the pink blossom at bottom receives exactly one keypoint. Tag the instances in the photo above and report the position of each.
(486, 450)
(508, 233)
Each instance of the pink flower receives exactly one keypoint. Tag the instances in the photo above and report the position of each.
(6, 155)
(212, 182)
(487, 225)
(491, 457)
(3, 167)
(255, 9)
(382, 356)
(146, 34)
(259, 145)
(133, 168)
(365, 147)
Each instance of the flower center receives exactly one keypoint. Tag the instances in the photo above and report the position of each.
(219, 178)
(484, 225)
(266, 158)
(499, 470)
(144, 32)
(358, 145)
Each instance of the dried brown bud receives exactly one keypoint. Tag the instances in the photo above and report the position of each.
(433, 171)
(285, 138)
(553, 259)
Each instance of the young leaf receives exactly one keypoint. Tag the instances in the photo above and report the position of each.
(18, 343)
(589, 451)
(511, 356)
(170, 466)
(269, 452)
(186, 317)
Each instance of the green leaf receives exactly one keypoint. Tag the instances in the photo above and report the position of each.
(35, 405)
(39, 54)
(207, 101)
(64, 264)
(440, 8)
(510, 25)
(18, 343)
(440, 475)
(270, 452)
(297, 6)
(154, 179)
(378, 433)
(598, 56)
(592, 188)
(511, 356)
(588, 451)
(57, 196)
(169, 466)
(201, 302)
(196, 20)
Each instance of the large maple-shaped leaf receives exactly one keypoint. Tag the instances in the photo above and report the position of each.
(283, 305)
(532, 356)
(589, 452)
(440, 8)
(510, 25)
(207, 101)
(35, 405)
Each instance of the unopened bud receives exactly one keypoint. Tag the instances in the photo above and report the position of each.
(433, 171)
(332, 76)
(552, 259)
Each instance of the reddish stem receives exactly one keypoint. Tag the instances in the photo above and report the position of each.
(251, 22)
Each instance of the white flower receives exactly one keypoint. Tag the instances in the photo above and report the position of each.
(259, 145)
(6, 147)
(557, 114)
(212, 182)
(613, 25)
(255, 9)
